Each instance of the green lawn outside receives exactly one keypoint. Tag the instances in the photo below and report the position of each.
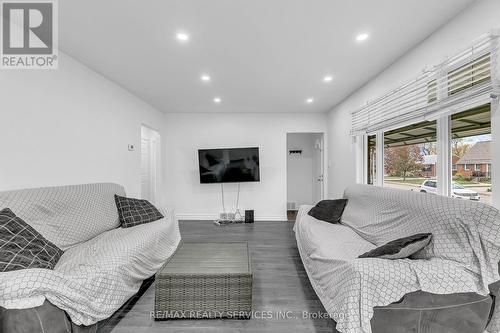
(468, 183)
(408, 180)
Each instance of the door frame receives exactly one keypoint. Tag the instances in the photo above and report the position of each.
(155, 162)
(324, 164)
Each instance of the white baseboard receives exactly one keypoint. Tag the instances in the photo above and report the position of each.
(196, 216)
(215, 216)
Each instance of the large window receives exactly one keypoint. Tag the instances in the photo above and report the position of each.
(471, 151)
(446, 148)
(411, 160)
(410, 156)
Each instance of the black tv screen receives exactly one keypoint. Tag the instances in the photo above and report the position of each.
(230, 165)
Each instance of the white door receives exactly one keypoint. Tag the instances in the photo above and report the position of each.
(305, 161)
(318, 168)
(150, 164)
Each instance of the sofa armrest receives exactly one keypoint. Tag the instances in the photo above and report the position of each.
(495, 289)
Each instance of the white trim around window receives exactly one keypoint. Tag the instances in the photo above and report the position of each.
(380, 170)
(443, 166)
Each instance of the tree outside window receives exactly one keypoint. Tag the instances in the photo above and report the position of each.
(403, 161)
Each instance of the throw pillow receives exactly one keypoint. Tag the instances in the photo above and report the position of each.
(329, 210)
(400, 248)
(133, 212)
(21, 246)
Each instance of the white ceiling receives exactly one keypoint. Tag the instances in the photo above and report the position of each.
(262, 55)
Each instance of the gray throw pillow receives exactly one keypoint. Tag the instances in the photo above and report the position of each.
(21, 246)
(328, 210)
(133, 212)
(400, 248)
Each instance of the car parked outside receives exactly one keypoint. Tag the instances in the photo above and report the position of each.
(458, 191)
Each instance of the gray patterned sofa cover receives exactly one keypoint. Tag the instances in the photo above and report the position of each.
(103, 265)
(442, 288)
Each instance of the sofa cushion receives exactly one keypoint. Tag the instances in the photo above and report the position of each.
(433, 313)
(400, 248)
(328, 210)
(134, 212)
(23, 247)
(66, 215)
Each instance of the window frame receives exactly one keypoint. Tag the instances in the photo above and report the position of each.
(444, 166)
(442, 80)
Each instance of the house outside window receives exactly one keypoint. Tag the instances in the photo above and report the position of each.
(466, 167)
(454, 167)
(477, 167)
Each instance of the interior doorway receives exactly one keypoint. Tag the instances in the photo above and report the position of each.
(305, 170)
(150, 164)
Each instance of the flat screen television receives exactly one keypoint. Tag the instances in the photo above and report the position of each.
(229, 165)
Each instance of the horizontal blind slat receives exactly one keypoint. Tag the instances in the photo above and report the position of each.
(463, 76)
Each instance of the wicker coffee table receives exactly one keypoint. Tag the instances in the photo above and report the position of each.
(205, 280)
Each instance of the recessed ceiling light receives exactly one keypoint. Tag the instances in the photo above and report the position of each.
(182, 36)
(309, 100)
(328, 78)
(217, 100)
(205, 78)
(361, 37)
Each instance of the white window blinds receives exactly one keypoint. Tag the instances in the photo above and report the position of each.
(463, 81)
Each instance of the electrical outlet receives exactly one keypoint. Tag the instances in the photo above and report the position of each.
(131, 147)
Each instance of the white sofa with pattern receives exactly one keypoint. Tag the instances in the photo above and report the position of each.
(103, 264)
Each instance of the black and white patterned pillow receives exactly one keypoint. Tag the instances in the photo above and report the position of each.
(133, 212)
(21, 246)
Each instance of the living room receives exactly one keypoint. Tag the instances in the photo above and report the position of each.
(141, 101)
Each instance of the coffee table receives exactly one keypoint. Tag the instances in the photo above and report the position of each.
(205, 280)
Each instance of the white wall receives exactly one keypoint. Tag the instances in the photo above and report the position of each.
(186, 133)
(69, 126)
(300, 168)
(459, 33)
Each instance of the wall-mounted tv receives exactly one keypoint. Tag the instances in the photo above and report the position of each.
(229, 165)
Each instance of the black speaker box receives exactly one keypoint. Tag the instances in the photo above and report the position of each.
(249, 216)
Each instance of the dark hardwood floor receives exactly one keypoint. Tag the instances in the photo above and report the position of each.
(280, 285)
